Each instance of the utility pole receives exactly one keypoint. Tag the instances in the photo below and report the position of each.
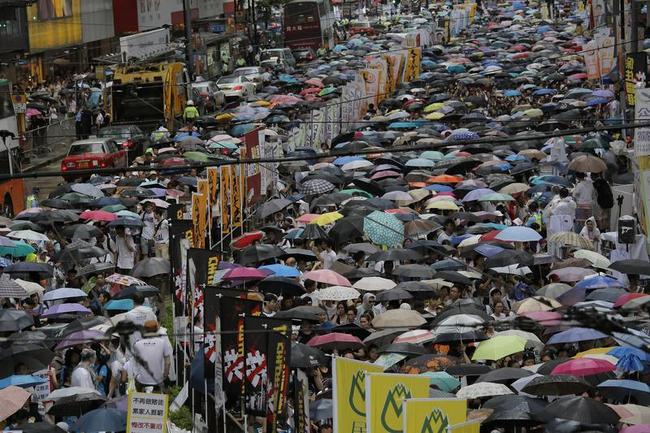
(189, 52)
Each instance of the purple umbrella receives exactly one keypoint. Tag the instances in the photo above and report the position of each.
(159, 192)
(66, 309)
(476, 194)
(603, 93)
(79, 337)
(575, 335)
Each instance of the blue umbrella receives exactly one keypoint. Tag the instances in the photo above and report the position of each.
(448, 265)
(420, 162)
(342, 160)
(621, 351)
(439, 188)
(455, 240)
(455, 69)
(511, 93)
(544, 92)
(282, 270)
(384, 229)
(403, 125)
(623, 389)
(101, 420)
(598, 282)
(476, 194)
(630, 363)
(21, 380)
(294, 234)
(119, 305)
(575, 335)
(463, 135)
(183, 135)
(243, 129)
(515, 158)
(488, 250)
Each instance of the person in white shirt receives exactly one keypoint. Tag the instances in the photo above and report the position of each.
(125, 249)
(149, 223)
(562, 214)
(139, 315)
(84, 375)
(327, 255)
(584, 195)
(447, 233)
(155, 351)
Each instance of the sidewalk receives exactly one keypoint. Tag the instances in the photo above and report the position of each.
(59, 150)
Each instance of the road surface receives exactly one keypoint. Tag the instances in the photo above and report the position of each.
(45, 184)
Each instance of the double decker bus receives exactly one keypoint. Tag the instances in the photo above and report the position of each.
(309, 24)
(12, 191)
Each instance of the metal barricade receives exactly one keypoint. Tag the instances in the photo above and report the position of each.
(45, 139)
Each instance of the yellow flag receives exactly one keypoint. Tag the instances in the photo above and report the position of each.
(203, 220)
(349, 393)
(195, 221)
(213, 190)
(385, 396)
(236, 210)
(225, 179)
(432, 415)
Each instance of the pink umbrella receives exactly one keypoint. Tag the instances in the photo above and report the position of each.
(307, 218)
(571, 274)
(284, 100)
(385, 174)
(583, 367)
(12, 399)
(327, 276)
(335, 341)
(315, 82)
(623, 299)
(545, 318)
(244, 273)
(639, 428)
(98, 215)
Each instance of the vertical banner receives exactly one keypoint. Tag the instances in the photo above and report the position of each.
(180, 238)
(256, 341)
(225, 181)
(413, 62)
(301, 419)
(213, 364)
(385, 395)
(349, 394)
(636, 65)
(433, 414)
(279, 346)
(233, 313)
(196, 233)
(201, 267)
(213, 191)
(642, 155)
(176, 211)
(236, 205)
(252, 170)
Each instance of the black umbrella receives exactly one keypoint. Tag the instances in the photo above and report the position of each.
(418, 289)
(75, 405)
(456, 308)
(363, 247)
(414, 271)
(321, 409)
(631, 266)
(42, 269)
(352, 329)
(454, 337)
(556, 385)
(281, 286)
(33, 355)
(304, 312)
(299, 254)
(130, 291)
(347, 229)
(383, 336)
(581, 409)
(150, 267)
(272, 206)
(313, 232)
(453, 277)
(404, 349)
(509, 257)
(303, 356)
(512, 401)
(39, 427)
(56, 203)
(394, 294)
(548, 366)
(259, 253)
(468, 370)
(395, 254)
(96, 268)
(369, 186)
(14, 320)
(610, 294)
(504, 375)
(82, 323)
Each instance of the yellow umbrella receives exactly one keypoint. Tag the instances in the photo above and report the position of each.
(436, 115)
(419, 194)
(596, 351)
(433, 107)
(225, 117)
(499, 347)
(443, 205)
(262, 103)
(514, 188)
(327, 218)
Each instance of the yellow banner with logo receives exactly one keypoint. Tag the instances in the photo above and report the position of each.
(385, 396)
(213, 191)
(413, 64)
(466, 427)
(195, 221)
(349, 394)
(203, 220)
(433, 415)
(225, 178)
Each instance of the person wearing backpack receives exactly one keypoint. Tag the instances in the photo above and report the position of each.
(604, 201)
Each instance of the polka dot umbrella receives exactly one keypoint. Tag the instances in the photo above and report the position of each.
(383, 229)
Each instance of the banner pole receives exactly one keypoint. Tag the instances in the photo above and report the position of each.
(223, 411)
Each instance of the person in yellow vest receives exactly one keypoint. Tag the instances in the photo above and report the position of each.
(191, 113)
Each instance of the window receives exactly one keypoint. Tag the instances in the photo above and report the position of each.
(81, 148)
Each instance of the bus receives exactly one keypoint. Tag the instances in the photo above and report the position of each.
(309, 24)
(12, 191)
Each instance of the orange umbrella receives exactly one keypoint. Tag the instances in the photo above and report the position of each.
(444, 178)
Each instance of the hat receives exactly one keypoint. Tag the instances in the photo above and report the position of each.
(151, 325)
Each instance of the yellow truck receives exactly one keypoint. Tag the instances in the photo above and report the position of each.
(147, 95)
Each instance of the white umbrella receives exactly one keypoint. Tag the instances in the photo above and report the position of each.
(519, 384)
(87, 189)
(483, 389)
(512, 270)
(374, 284)
(30, 287)
(69, 392)
(28, 235)
(337, 293)
(518, 234)
(597, 260)
(398, 196)
(472, 240)
(357, 165)
(156, 202)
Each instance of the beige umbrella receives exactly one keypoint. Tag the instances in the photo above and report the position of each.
(12, 399)
(571, 239)
(514, 188)
(483, 389)
(597, 260)
(533, 154)
(588, 164)
(399, 317)
(536, 303)
(374, 284)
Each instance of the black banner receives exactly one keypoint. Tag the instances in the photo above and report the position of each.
(636, 65)
(256, 341)
(300, 408)
(176, 211)
(180, 236)
(201, 268)
(233, 311)
(278, 378)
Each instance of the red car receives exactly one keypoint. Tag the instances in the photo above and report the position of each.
(92, 154)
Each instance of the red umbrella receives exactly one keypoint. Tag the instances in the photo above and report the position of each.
(327, 276)
(490, 236)
(173, 161)
(583, 367)
(243, 273)
(98, 215)
(247, 239)
(623, 299)
(336, 341)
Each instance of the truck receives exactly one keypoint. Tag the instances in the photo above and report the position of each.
(148, 95)
(12, 191)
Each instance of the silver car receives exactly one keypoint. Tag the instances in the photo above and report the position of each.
(252, 73)
(236, 87)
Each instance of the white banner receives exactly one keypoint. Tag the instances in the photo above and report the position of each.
(642, 115)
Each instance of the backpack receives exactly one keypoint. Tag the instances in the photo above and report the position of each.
(604, 196)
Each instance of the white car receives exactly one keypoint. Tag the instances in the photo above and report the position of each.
(236, 87)
(252, 73)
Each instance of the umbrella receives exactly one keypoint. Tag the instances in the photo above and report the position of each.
(79, 337)
(383, 229)
(396, 254)
(468, 370)
(321, 409)
(303, 312)
(597, 260)
(327, 276)
(570, 239)
(482, 390)
(98, 215)
(39, 427)
(416, 336)
(282, 270)
(442, 380)
(150, 267)
(304, 356)
(335, 341)
(316, 187)
(557, 385)
(631, 267)
(337, 293)
(64, 293)
(61, 309)
(399, 318)
(581, 409)
(518, 234)
(374, 284)
(259, 253)
(43, 269)
(12, 399)
(15, 320)
(583, 367)
(243, 274)
(504, 375)
(28, 235)
(21, 380)
(273, 206)
(430, 362)
(599, 282)
(11, 289)
(575, 335)
(499, 347)
(281, 286)
(130, 292)
(101, 420)
(34, 356)
(623, 389)
(587, 164)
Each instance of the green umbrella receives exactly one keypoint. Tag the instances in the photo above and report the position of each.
(357, 192)
(433, 155)
(496, 197)
(75, 198)
(442, 380)
(326, 91)
(114, 208)
(499, 347)
(384, 229)
(21, 249)
(196, 156)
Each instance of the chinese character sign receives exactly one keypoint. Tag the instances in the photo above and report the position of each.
(147, 413)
